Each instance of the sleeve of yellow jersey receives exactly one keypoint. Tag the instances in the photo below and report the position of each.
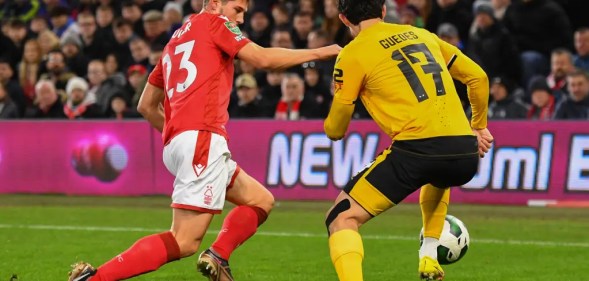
(465, 70)
(348, 79)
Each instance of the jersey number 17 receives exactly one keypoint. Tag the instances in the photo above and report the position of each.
(432, 67)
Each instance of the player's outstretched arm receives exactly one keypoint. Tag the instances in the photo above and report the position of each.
(337, 121)
(281, 58)
(150, 106)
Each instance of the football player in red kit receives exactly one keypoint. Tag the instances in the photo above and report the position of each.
(193, 80)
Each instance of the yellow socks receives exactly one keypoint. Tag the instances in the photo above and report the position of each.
(347, 252)
(434, 207)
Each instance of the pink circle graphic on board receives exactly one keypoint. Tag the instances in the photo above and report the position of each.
(102, 157)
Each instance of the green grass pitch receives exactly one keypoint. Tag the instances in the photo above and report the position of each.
(40, 236)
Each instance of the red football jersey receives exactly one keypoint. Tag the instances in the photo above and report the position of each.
(196, 73)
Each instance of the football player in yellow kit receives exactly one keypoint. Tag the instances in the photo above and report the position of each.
(403, 76)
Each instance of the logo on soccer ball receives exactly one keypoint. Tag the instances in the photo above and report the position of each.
(233, 27)
(102, 157)
(208, 198)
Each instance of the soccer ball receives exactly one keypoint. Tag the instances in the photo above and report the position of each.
(454, 241)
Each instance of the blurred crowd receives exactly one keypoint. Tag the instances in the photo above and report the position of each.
(84, 59)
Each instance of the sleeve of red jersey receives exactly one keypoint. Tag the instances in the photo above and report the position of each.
(156, 77)
(227, 36)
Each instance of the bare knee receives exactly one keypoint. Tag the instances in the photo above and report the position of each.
(344, 221)
(188, 245)
(344, 215)
(266, 202)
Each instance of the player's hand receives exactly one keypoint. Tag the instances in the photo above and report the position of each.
(335, 138)
(485, 140)
(329, 51)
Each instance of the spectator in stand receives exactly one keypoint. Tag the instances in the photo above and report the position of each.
(581, 59)
(250, 104)
(503, 105)
(449, 33)
(172, 17)
(113, 71)
(500, 7)
(123, 33)
(29, 69)
(132, 13)
(95, 44)
(281, 38)
(539, 26)
(490, 41)
(105, 16)
(119, 106)
(102, 86)
(336, 31)
(17, 33)
(302, 26)
(259, 29)
(11, 85)
(391, 14)
(316, 89)
(8, 109)
(409, 14)
(48, 104)
(456, 12)
(57, 70)
(577, 104)
(560, 67)
(62, 22)
(272, 91)
(310, 7)
(80, 104)
(154, 56)
(319, 38)
(543, 101)
(140, 51)
(155, 28)
(280, 15)
(424, 7)
(48, 42)
(192, 6)
(294, 105)
(244, 67)
(37, 25)
(137, 78)
(49, 5)
(74, 59)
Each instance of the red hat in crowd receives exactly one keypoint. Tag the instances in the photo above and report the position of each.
(136, 68)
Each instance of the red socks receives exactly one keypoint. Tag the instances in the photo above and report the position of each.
(147, 254)
(151, 252)
(239, 225)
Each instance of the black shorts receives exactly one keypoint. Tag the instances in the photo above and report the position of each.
(410, 164)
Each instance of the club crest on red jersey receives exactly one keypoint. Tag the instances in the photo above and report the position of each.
(233, 27)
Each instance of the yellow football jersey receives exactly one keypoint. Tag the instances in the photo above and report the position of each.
(403, 75)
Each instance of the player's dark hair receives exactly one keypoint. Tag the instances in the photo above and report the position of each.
(360, 10)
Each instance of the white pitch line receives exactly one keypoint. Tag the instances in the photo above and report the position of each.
(289, 234)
